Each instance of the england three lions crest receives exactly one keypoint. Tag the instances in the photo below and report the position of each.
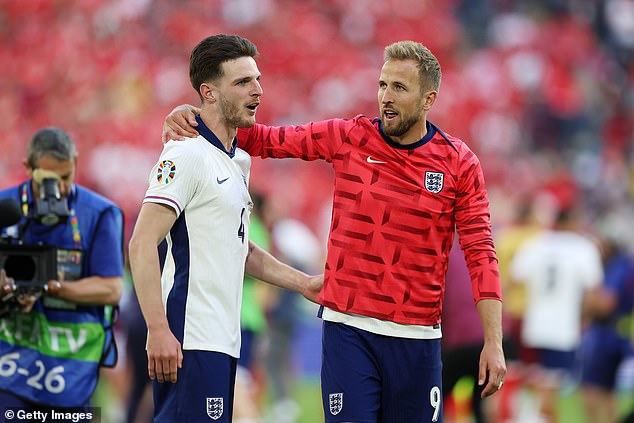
(336, 403)
(214, 408)
(434, 181)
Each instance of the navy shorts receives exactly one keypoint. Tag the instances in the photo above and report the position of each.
(565, 361)
(603, 351)
(247, 348)
(370, 378)
(203, 391)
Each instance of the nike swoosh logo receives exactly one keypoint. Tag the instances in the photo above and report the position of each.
(220, 181)
(371, 160)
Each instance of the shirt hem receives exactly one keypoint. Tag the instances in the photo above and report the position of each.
(382, 327)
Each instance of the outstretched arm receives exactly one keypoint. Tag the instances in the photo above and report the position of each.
(163, 349)
(264, 266)
(492, 364)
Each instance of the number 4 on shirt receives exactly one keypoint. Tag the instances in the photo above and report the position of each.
(241, 227)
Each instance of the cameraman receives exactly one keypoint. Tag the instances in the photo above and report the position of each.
(51, 349)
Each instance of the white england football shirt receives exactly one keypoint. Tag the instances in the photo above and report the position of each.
(557, 268)
(205, 251)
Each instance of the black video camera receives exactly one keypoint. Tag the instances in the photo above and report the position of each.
(30, 266)
(50, 207)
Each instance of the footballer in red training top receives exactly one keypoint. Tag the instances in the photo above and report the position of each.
(394, 213)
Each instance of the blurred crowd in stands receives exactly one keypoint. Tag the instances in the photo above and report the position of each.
(542, 91)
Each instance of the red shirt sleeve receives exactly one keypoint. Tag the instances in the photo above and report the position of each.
(312, 141)
(474, 229)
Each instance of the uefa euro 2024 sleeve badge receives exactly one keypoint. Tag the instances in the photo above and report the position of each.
(166, 171)
(434, 181)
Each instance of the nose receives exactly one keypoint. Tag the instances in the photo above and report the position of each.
(257, 91)
(385, 96)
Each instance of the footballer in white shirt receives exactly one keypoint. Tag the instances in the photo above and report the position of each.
(196, 211)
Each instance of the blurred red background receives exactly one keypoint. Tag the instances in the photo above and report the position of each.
(543, 93)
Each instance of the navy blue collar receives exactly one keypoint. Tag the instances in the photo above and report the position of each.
(213, 139)
(431, 131)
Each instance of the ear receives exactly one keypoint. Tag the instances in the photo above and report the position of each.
(208, 92)
(429, 98)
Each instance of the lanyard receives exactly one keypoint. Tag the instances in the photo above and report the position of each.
(74, 223)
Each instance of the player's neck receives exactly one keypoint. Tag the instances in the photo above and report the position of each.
(218, 126)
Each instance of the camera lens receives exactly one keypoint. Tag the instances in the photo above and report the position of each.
(52, 208)
(20, 267)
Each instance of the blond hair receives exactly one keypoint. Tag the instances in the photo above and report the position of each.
(428, 66)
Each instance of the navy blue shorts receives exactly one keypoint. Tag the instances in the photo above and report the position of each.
(203, 391)
(247, 348)
(603, 351)
(557, 360)
(370, 378)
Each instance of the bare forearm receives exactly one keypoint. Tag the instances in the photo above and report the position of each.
(88, 291)
(144, 265)
(492, 366)
(262, 265)
(490, 312)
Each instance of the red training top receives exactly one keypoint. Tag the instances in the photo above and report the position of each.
(394, 212)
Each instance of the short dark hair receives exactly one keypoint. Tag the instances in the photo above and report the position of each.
(52, 142)
(207, 57)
